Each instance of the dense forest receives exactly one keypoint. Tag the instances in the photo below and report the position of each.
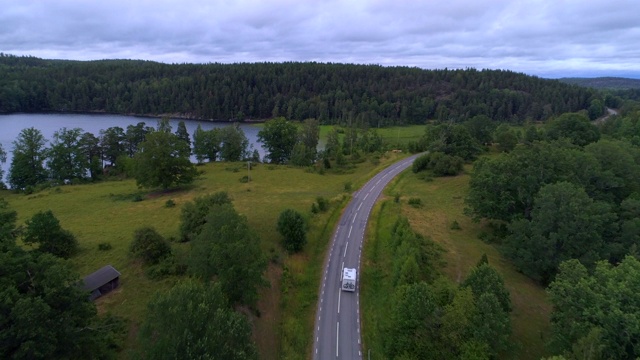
(332, 93)
(604, 83)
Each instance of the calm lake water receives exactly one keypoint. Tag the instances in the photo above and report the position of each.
(11, 125)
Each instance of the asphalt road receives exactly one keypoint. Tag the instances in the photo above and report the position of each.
(337, 323)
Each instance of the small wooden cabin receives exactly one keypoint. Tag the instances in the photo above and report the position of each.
(101, 282)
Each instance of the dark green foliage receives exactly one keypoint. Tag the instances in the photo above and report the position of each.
(596, 109)
(194, 321)
(573, 126)
(485, 279)
(455, 225)
(66, 160)
(450, 139)
(279, 137)
(3, 159)
(413, 322)
(234, 143)
(481, 128)
(409, 244)
(44, 230)
(506, 138)
(170, 203)
(163, 160)
(348, 186)
(305, 151)
(504, 187)
(45, 314)
(194, 213)
(323, 204)
(113, 144)
(331, 93)
(27, 168)
(104, 246)
(149, 246)
(228, 251)
(430, 316)
(599, 311)
(7, 225)
(421, 163)
(415, 202)
(133, 137)
(183, 135)
(619, 174)
(206, 144)
(565, 224)
(293, 228)
(92, 152)
(439, 163)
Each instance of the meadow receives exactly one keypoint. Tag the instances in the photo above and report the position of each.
(110, 211)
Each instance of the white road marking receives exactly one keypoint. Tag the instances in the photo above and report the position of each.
(339, 293)
(337, 337)
(365, 198)
(350, 228)
(345, 250)
(359, 206)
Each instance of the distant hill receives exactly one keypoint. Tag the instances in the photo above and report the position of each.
(331, 93)
(604, 83)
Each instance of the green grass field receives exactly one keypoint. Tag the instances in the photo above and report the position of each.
(443, 203)
(105, 212)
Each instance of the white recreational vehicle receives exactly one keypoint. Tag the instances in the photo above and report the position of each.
(349, 279)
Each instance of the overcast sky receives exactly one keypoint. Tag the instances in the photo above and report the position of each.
(553, 38)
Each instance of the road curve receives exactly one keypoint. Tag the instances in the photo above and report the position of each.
(337, 321)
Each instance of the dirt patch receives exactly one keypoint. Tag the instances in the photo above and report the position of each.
(266, 336)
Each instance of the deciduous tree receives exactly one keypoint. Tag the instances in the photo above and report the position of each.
(235, 144)
(229, 251)
(162, 160)
(194, 214)
(279, 138)
(66, 158)
(44, 230)
(194, 321)
(565, 224)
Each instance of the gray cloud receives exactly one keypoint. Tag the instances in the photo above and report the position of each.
(540, 37)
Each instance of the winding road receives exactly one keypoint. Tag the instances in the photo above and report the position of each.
(337, 323)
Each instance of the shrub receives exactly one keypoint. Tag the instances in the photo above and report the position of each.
(194, 214)
(347, 186)
(415, 202)
(170, 203)
(244, 179)
(455, 225)
(421, 163)
(292, 226)
(104, 246)
(323, 204)
(439, 163)
(149, 246)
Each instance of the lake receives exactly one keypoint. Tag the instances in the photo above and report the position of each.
(11, 125)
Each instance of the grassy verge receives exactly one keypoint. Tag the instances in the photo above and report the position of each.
(443, 203)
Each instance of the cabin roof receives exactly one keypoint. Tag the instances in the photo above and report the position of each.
(99, 278)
